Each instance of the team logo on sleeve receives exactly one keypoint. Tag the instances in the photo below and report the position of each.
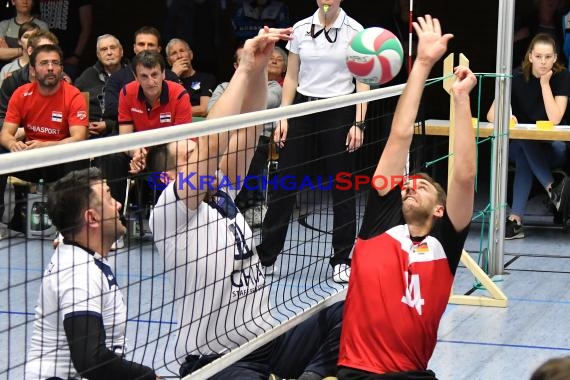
(165, 117)
(56, 116)
(81, 115)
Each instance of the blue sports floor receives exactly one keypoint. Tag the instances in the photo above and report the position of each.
(474, 342)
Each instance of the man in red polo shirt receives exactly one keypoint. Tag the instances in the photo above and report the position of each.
(51, 111)
(150, 101)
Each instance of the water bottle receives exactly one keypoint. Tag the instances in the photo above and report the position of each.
(132, 221)
(41, 187)
(35, 224)
(45, 221)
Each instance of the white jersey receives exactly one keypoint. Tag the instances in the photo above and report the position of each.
(323, 72)
(75, 283)
(221, 298)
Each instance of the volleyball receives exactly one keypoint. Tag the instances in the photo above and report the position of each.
(374, 56)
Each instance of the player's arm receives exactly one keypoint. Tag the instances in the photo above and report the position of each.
(460, 193)
(242, 143)
(249, 78)
(8, 137)
(431, 47)
(90, 356)
(76, 133)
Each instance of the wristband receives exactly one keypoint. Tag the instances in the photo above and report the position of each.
(361, 125)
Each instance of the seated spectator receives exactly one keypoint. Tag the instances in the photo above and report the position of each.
(9, 29)
(51, 111)
(539, 91)
(198, 84)
(26, 30)
(81, 315)
(253, 15)
(25, 74)
(277, 66)
(93, 79)
(147, 38)
(150, 102)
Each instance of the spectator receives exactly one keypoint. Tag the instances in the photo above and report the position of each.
(545, 18)
(199, 85)
(150, 102)
(317, 69)
(411, 238)
(26, 30)
(81, 315)
(25, 74)
(146, 38)
(51, 112)
(213, 322)
(253, 15)
(539, 91)
(277, 67)
(70, 21)
(10, 47)
(93, 80)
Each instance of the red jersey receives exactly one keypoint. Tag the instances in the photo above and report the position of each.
(398, 289)
(47, 118)
(174, 107)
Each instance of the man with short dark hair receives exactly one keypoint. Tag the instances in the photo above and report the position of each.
(149, 102)
(146, 38)
(51, 112)
(80, 302)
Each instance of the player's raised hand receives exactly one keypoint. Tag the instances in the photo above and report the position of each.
(464, 82)
(432, 44)
(257, 51)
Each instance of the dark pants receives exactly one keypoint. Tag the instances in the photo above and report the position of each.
(345, 373)
(326, 130)
(115, 168)
(254, 195)
(311, 346)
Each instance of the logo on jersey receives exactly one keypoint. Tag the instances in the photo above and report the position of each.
(81, 115)
(413, 297)
(247, 280)
(165, 117)
(56, 116)
(28, 93)
(136, 110)
(421, 248)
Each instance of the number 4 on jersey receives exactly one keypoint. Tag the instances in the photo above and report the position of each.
(413, 296)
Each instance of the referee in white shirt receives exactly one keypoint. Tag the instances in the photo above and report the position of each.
(317, 69)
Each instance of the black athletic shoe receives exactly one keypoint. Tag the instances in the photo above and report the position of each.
(513, 230)
(560, 193)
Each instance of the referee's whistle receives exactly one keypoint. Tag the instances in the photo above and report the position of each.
(326, 8)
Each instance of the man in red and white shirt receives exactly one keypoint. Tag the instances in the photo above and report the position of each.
(149, 102)
(411, 239)
(51, 112)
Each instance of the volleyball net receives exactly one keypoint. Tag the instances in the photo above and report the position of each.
(189, 294)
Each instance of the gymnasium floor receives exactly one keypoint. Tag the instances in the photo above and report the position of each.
(474, 342)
